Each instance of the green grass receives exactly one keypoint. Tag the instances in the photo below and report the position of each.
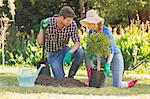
(9, 84)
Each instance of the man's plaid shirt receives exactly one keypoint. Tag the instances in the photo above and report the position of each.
(55, 39)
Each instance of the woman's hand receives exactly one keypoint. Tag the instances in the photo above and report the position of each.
(107, 69)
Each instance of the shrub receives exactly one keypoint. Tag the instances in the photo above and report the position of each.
(134, 43)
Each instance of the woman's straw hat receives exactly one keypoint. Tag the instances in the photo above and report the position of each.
(91, 17)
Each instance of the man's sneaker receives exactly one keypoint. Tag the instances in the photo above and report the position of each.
(132, 82)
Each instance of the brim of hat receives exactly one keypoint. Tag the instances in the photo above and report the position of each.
(83, 23)
(91, 20)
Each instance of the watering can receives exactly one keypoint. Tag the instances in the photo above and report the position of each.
(26, 77)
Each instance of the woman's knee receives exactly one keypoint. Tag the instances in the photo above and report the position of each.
(116, 84)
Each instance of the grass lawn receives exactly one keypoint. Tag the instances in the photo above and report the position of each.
(9, 84)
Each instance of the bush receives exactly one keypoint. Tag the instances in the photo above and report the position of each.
(134, 43)
(21, 48)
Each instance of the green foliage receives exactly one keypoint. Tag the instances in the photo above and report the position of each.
(27, 55)
(82, 40)
(30, 12)
(21, 48)
(34, 10)
(0, 56)
(134, 44)
(97, 44)
(115, 11)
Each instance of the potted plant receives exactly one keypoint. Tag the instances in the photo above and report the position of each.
(98, 44)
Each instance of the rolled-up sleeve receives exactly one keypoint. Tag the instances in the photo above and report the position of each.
(74, 34)
(110, 36)
(112, 49)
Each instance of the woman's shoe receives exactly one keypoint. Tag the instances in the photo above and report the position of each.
(132, 82)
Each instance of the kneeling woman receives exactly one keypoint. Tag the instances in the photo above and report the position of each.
(115, 59)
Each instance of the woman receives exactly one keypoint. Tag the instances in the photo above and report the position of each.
(115, 59)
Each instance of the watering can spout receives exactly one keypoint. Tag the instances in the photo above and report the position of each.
(38, 71)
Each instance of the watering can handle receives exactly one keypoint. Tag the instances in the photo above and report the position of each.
(19, 71)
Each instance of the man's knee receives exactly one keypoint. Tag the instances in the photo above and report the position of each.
(80, 53)
(57, 70)
(58, 73)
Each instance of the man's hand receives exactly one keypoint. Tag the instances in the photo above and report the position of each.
(107, 69)
(67, 58)
(44, 23)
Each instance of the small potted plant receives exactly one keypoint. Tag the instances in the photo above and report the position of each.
(98, 46)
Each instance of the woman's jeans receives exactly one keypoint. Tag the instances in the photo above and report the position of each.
(117, 67)
(55, 59)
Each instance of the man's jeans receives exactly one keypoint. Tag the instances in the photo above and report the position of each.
(55, 59)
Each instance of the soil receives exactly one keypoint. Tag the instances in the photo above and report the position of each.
(64, 82)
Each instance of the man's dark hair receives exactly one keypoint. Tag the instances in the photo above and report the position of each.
(66, 11)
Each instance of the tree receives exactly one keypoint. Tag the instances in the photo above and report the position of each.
(99, 45)
(116, 11)
(5, 22)
(30, 12)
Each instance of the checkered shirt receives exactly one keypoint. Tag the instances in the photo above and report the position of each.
(56, 39)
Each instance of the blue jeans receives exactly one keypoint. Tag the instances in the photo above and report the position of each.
(117, 67)
(55, 59)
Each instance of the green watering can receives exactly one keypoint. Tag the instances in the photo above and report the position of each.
(26, 77)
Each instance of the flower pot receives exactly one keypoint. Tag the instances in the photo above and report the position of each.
(97, 78)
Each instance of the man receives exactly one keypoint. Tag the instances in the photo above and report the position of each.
(57, 31)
